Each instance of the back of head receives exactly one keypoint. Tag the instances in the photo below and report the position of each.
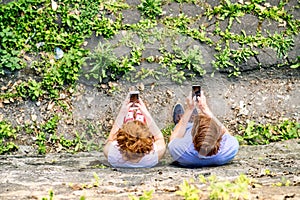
(134, 139)
(207, 135)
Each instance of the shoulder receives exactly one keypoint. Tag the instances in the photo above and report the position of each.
(229, 143)
(229, 138)
(180, 146)
(113, 144)
(181, 142)
(113, 148)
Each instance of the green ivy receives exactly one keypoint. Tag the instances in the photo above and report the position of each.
(31, 89)
(255, 134)
(151, 8)
(6, 134)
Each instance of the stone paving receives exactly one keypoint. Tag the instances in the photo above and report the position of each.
(69, 176)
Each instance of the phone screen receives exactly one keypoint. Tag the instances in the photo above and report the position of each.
(134, 97)
(196, 90)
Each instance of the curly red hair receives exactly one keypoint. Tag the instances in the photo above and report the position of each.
(134, 140)
(206, 135)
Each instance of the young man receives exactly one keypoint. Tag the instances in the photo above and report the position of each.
(203, 142)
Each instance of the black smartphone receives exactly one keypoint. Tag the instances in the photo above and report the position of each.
(134, 96)
(196, 91)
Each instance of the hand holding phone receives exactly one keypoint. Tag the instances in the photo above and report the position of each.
(196, 91)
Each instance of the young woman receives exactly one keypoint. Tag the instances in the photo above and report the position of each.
(204, 142)
(134, 140)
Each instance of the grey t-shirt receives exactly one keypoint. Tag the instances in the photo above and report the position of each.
(183, 151)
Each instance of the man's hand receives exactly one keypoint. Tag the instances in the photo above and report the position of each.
(202, 105)
(190, 102)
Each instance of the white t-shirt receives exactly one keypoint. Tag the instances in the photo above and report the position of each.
(115, 158)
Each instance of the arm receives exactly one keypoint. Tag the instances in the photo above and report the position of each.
(204, 109)
(161, 146)
(149, 120)
(117, 125)
(158, 136)
(180, 128)
(202, 106)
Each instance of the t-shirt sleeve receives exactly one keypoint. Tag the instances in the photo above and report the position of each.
(178, 146)
(228, 150)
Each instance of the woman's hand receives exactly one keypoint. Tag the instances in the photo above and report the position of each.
(142, 105)
(124, 107)
(150, 122)
(144, 110)
(123, 111)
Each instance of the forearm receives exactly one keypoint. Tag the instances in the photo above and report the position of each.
(158, 136)
(223, 129)
(204, 109)
(111, 137)
(113, 132)
(119, 119)
(116, 126)
(156, 132)
(106, 148)
(153, 128)
(180, 128)
(208, 113)
(161, 147)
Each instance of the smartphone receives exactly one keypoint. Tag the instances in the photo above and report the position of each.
(196, 91)
(134, 96)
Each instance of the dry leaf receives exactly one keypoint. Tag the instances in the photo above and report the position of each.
(4, 88)
(152, 86)
(33, 118)
(141, 87)
(50, 106)
(27, 58)
(6, 101)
